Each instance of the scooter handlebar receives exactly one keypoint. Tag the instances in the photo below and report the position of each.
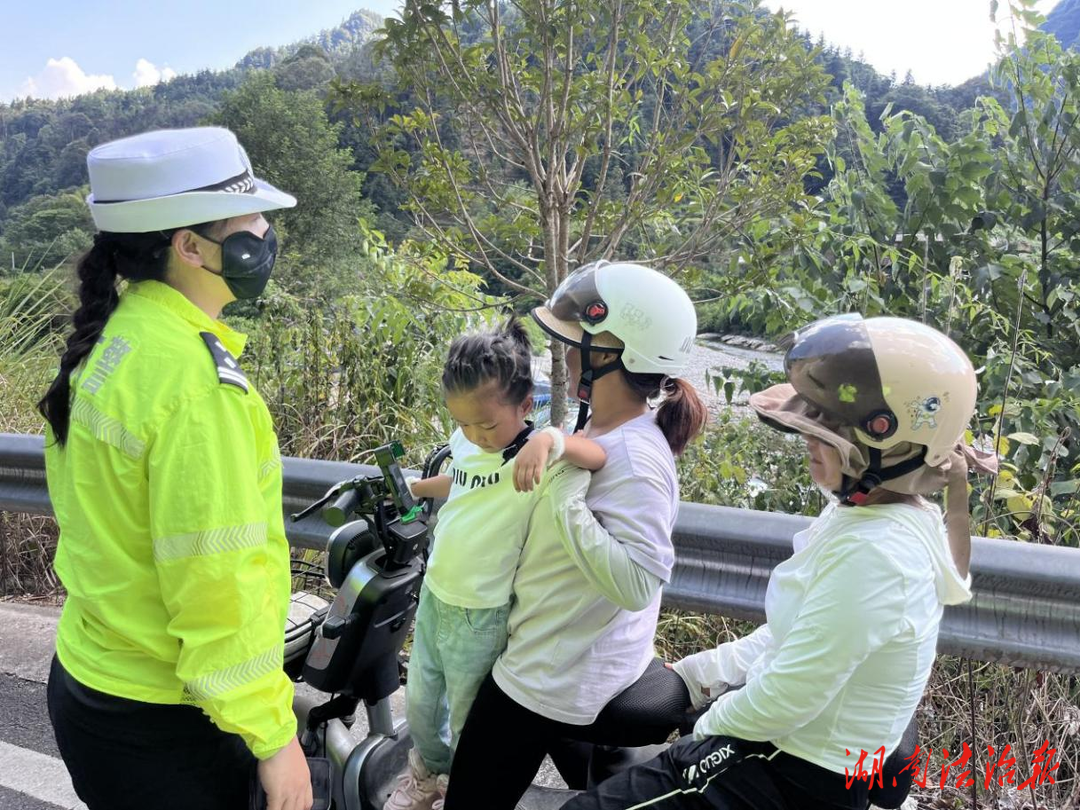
(341, 510)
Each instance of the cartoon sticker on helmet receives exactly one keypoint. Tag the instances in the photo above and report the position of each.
(924, 411)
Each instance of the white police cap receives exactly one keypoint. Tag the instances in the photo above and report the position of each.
(170, 178)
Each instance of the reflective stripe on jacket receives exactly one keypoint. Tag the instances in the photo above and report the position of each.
(172, 544)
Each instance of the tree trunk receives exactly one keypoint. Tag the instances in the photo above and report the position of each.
(549, 215)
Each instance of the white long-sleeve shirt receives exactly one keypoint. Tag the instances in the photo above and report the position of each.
(587, 590)
(850, 637)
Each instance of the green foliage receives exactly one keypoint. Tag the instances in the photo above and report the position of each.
(308, 69)
(46, 230)
(742, 463)
(294, 147)
(33, 319)
(542, 136)
(985, 247)
(693, 104)
(730, 381)
(43, 144)
(345, 378)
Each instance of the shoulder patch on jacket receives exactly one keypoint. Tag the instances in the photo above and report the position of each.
(228, 370)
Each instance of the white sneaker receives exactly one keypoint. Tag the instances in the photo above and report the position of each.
(416, 788)
(442, 782)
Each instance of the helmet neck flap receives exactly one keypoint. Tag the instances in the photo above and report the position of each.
(855, 492)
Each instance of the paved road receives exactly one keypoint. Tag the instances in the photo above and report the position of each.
(32, 777)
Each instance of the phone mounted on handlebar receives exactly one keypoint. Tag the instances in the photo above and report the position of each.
(386, 500)
(375, 559)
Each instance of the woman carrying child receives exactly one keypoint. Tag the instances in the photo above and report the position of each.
(461, 622)
(598, 551)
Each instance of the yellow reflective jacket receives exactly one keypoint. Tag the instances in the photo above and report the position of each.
(172, 543)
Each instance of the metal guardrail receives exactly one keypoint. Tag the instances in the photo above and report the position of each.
(1025, 610)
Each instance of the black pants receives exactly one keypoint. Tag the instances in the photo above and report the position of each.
(503, 744)
(128, 755)
(724, 773)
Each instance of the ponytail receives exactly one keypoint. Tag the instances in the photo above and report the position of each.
(514, 330)
(134, 256)
(681, 415)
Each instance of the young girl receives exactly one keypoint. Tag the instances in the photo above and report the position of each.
(461, 622)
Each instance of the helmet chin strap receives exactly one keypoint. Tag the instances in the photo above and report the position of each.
(856, 492)
(589, 375)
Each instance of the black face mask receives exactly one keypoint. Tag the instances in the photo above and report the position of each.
(246, 262)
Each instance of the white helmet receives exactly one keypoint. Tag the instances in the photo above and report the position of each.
(650, 314)
(643, 316)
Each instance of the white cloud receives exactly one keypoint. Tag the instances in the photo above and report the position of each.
(147, 73)
(62, 78)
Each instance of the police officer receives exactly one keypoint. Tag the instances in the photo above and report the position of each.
(167, 689)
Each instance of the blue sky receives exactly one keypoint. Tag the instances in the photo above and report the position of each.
(105, 39)
(64, 47)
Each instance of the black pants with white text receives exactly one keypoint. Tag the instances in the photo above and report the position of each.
(724, 773)
(503, 744)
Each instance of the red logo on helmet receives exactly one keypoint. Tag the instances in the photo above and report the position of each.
(596, 312)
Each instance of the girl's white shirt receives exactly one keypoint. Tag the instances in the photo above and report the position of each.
(850, 637)
(480, 530)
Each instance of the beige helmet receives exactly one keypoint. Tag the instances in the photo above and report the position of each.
(900, 388)
(891, 379)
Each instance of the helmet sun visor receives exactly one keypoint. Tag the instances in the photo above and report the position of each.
(578, 299)
(782, 408)
(577, 302)
(831, 364)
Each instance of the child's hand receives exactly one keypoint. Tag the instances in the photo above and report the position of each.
(530, 462)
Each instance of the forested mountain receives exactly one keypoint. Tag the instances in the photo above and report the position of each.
(1064, 22)
(334, 42)
(43, 144)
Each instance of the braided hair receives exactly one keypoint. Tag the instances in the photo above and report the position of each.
(133, 256)
(502, 356)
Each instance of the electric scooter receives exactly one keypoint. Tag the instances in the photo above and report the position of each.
(350, 649)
